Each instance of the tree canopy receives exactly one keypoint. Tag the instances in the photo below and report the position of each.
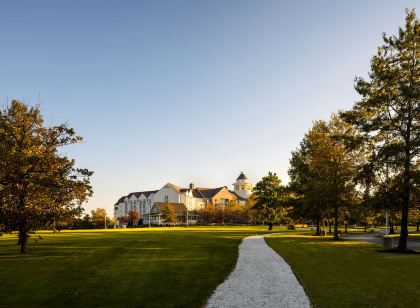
(170, 214)
(38, 183)
(321, 172)
(269, 197)
(388, 113)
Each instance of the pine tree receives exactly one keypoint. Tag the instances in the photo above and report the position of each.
(269, 197)
(389, 111)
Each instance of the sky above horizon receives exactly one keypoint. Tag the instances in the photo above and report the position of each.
(187, 91)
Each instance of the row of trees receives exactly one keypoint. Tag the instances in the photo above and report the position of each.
(98, 219)
(363, 161)
(232, 213)
(250, 213)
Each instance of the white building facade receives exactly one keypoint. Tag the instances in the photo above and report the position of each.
(194, 199)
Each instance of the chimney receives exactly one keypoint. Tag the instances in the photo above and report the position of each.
(191, 185)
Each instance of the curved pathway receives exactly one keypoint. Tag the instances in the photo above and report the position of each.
(261, 279)
(374, 239)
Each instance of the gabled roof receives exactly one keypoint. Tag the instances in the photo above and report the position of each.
(137, 195)
(242, 176)
(161, 206)
(120, 200)
(148, 193)
(209, 192)
(197, 194)
(173, 186)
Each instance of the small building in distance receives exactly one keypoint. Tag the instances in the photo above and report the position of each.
(192, 198)
(157, 214)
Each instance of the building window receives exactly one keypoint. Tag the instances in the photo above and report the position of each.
(166, 199)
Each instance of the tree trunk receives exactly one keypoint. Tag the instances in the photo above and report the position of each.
(318, 227)
(23, 240)
(329, 226)
(365, 228)
(404, 227)
(336, 222)
(345, 228)
(391, 228)
(270, 226)
(402, 245)
(418, 226)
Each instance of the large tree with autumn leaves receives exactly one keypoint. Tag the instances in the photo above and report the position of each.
(38, 183)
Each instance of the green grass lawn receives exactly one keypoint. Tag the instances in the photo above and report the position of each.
(158, 267)
(349, 273)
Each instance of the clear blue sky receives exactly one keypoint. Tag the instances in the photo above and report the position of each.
(187, 91)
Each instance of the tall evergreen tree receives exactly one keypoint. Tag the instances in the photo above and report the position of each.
(269, 197)
(389, 111)
(306, 194)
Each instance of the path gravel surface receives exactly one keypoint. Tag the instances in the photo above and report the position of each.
(374, 239)
(261, 279)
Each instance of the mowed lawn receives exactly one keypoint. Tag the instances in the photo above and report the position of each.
(158, 267)
(348, 273)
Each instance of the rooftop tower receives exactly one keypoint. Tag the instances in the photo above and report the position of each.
(243, 187)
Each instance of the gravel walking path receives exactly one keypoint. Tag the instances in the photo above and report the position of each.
(374, 239)
(261, 279)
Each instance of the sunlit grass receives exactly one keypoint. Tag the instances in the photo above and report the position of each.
(349, 273)
(157, 267)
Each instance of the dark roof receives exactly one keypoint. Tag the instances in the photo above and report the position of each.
(209, 192)
(197, 194)
(120, 200)
(242, 176)
(239, 197)
(139, 193)
(148, 193)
